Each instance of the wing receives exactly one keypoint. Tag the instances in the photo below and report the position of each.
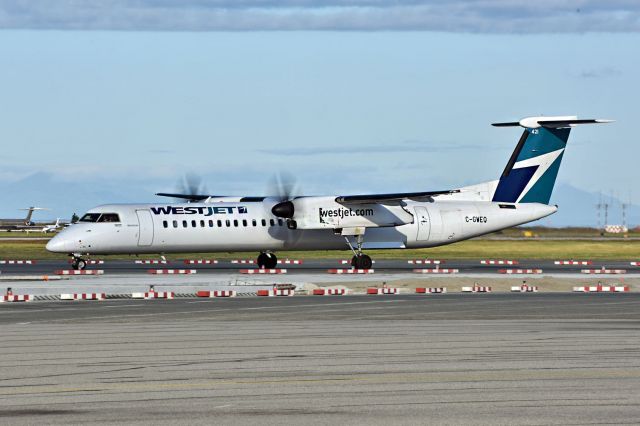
(395, 197)
(189, 197)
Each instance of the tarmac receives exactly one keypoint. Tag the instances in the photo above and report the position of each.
(122, 277)
(407, 359)
(321, 266)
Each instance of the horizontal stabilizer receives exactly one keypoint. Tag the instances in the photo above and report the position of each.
(550, 122)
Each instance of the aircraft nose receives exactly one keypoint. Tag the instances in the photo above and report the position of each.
(57, 244)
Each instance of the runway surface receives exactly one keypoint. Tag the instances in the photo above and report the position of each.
(446, 359)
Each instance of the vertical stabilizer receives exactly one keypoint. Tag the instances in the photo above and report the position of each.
(531, 172)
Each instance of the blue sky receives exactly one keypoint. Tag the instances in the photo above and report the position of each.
(127, 113)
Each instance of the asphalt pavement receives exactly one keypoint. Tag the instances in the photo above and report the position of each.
(387, 265)
(408, 359)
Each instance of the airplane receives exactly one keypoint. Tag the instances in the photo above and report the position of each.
(53, 227)
(213, 223)
(20, 224)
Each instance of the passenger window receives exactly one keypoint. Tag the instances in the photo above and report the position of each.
(219, 224)
(228, 223)
(264, 222)
(235, 223)
(193, 224)
(184, 224)
(210, 224)
(165, 223)
(279, 222)
(254, 223)
(273, 222)
(244, 222)
(175, 223)
(202, 223)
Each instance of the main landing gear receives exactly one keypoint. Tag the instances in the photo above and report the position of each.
(78, 263)
(267, 260)
(359, 259)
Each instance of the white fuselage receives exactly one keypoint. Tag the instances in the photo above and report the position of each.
(226, 226)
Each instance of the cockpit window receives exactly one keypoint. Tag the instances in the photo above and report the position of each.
(90, 217)
(109, 217)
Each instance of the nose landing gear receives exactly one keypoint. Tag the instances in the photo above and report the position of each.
(78, 263)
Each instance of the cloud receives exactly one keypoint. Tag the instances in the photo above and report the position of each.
(483, 16)
(407, 146)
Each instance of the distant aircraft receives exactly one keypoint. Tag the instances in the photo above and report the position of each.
(52, 227)
(212, 223)
(21, 224)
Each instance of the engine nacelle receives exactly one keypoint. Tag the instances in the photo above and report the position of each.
(326, 213)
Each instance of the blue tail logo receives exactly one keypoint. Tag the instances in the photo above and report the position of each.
(531, 174)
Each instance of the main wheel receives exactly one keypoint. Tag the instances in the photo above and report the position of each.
(272, 261)
(262, 260)
(361, 261)
(267, 260)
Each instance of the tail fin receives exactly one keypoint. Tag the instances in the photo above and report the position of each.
(533, 167)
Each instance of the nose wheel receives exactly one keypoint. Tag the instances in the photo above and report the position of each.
(267, 260)
(78, 264)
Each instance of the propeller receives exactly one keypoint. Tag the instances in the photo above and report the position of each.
(190, 188)
(283, 188)
(192, 185)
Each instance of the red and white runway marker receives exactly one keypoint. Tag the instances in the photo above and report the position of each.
(200, 262)
(425, 262)
(151, 262)
(573, 262)
(431, 290)
(271, 293)
(602, 289)
(330, 291)
(290, 262)
(498, 262)
(519, 271)
(350, 271)
(348, 262)
(634, 263)
(17, 262)
(16, 298)
(263, 271)
(172, 271)
(604, 271)
(153, 295)
(524, 288)
(436, 271)
(476, 289)
(216, 293)
(384, 290)
(83, 296)
(79, 272)
(243, 261)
